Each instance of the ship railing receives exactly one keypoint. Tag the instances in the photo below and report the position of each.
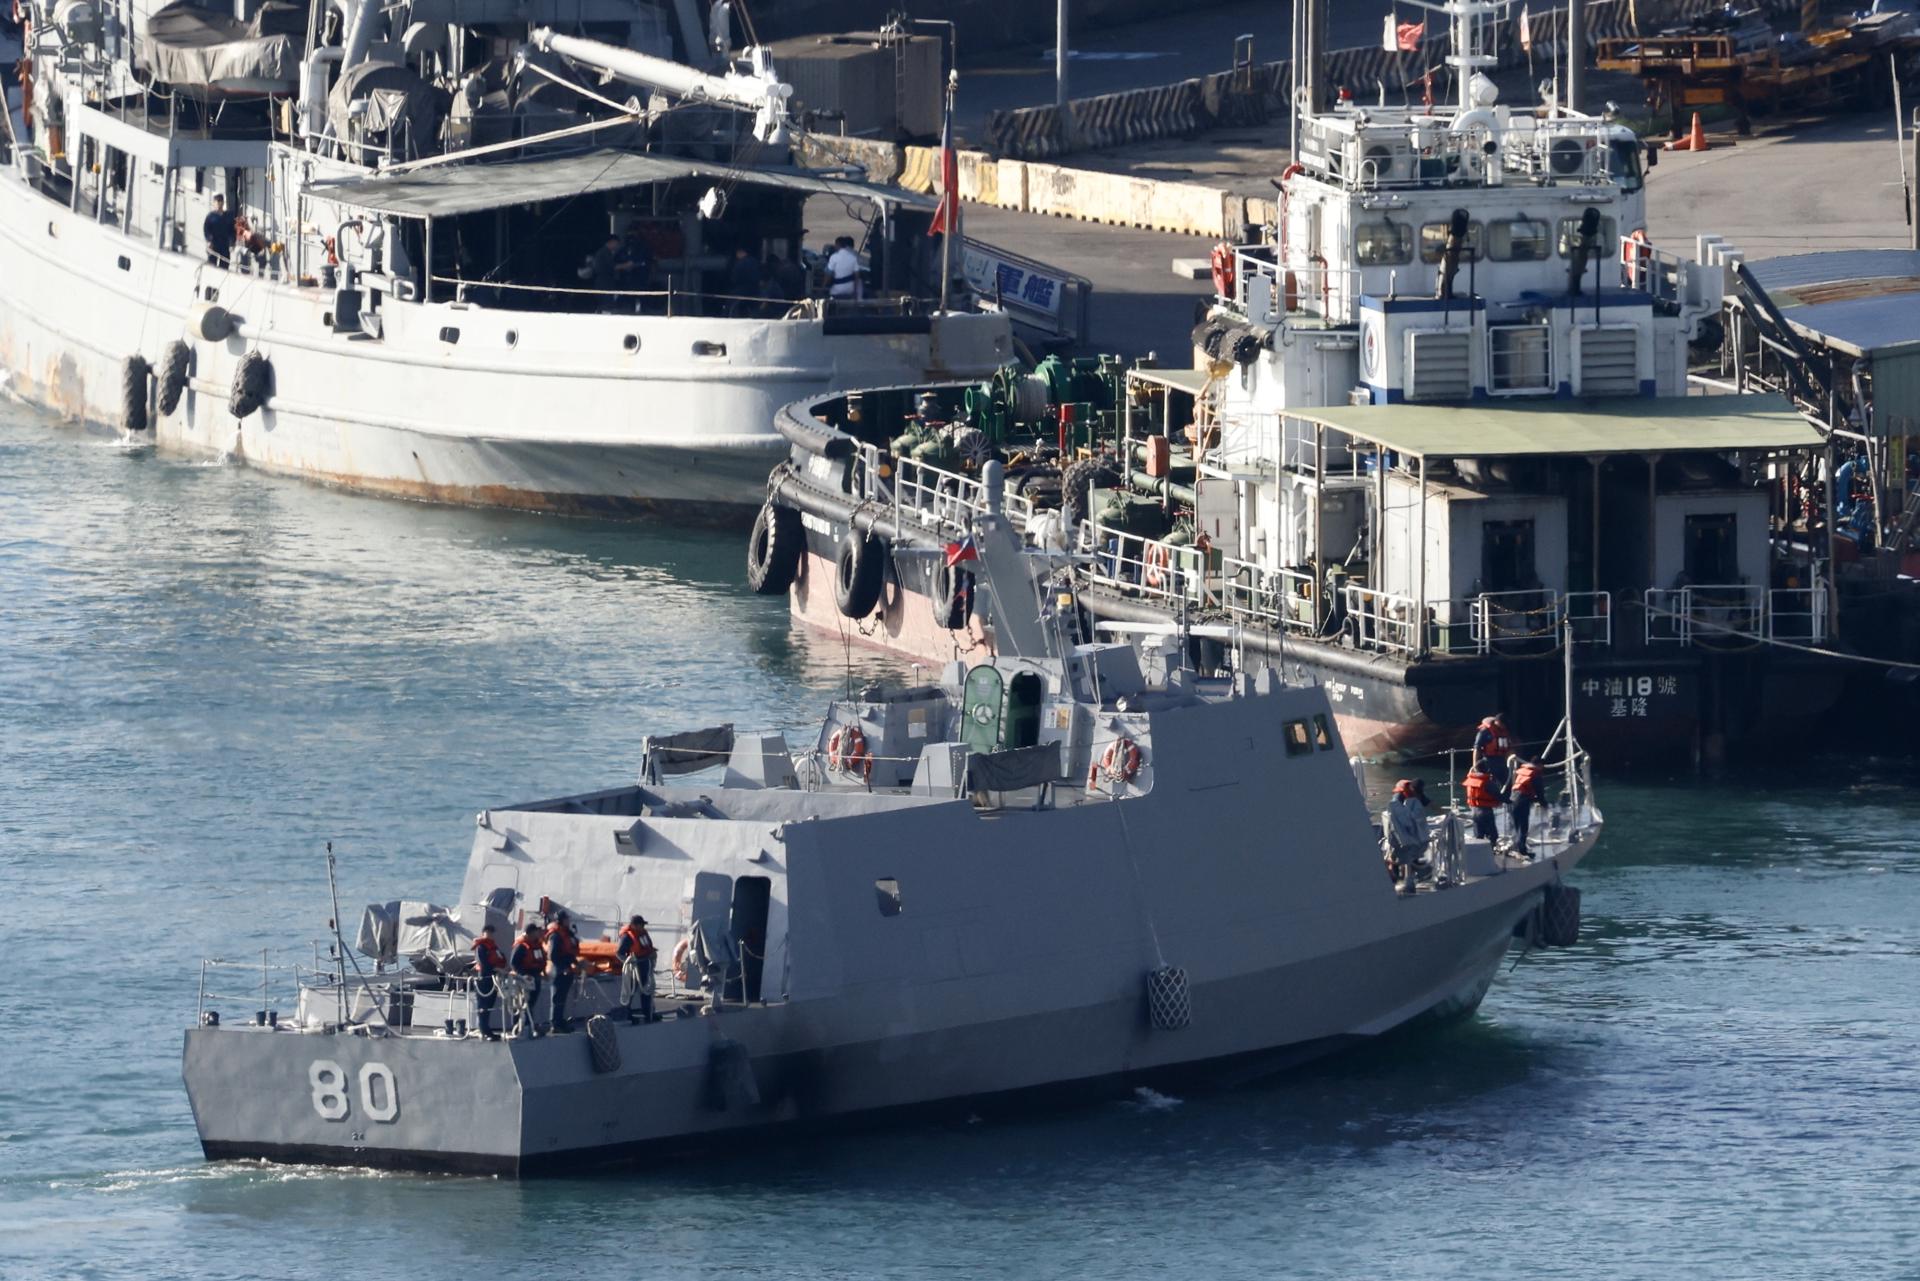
(1516, 621)
(261, 986)
(1798, 613)
(1707, 613)
(1589, 617)
(1256, 596)
(1381, 620)
(942, 500)
(1147, 567)
(681, 302)
(1529, 147)
(1265, 294)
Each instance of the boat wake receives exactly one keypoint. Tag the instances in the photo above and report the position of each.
(214, 1172)
(1146, 1100)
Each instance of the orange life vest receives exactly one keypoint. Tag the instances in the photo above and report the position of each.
(489, 953)
(565, 950)
(1526, 780)
(1500, 745)
(639, 942)
(1480, 793)
(536, 954)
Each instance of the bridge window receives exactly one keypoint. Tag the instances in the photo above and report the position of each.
(1602, 243)
(1517, 240)
(888, 890)
(1299, 739)
(1433, 242)
(1382, 244)
(1322, 732)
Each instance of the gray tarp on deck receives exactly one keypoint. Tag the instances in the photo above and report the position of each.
(449, 190)
(197, 48)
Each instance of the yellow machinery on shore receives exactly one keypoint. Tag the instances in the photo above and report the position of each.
(1744, 63)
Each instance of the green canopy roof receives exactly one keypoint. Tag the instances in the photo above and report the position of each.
(1642, 425)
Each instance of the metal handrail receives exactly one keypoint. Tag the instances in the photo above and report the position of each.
(1798, 613)
(1146, 566)
(947, 501)
(1590, 616)
(1515, 616)
(1382, 620)
(1675, 614)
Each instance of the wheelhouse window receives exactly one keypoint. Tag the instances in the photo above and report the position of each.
(1299, 738)
(887, 890)
(1383, 244)
(1602, 242)
(1433, 242)
(1518, 240)
(1322, 732)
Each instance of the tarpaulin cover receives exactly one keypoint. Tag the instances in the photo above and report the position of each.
(191, 47)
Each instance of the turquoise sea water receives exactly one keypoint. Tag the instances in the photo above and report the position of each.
(205, 674)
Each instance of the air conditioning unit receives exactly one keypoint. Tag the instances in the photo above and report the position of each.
(1384, 163)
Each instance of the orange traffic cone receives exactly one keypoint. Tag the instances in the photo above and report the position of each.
(1696, 139)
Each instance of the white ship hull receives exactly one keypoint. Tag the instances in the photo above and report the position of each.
(537, 410)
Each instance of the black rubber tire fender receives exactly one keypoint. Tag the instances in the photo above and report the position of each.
(1074, 483)
(176, 365)
(603, 1042)
(252, 384)
(774, 549)
(951, 591)
(135, 375)
(859, 571)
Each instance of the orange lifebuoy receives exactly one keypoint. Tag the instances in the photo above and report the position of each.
(1636, 252)
(1119, 763)
(1221, 261)
(1157, 565)
(847, 752)
(680, 951)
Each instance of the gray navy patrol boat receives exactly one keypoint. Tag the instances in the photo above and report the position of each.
(1071, 869)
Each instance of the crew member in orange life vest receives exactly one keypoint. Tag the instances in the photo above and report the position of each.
(530, 963)
(637, 953)
(1492, 744)
(563, 953)
(1524, 793)
(486, 988)
(1483, 798)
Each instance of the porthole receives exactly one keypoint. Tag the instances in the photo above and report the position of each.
(513, 337)
(710, 349)
(449, 334)
(631, 342)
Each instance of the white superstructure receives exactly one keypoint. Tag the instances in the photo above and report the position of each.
(411, 306)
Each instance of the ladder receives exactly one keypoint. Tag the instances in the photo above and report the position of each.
(1903, 529)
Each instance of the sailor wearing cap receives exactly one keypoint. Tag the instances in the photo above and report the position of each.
(637, 954)
(529, 965)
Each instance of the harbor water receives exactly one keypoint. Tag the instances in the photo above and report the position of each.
(206, 674)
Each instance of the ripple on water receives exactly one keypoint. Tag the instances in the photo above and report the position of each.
(205, 674)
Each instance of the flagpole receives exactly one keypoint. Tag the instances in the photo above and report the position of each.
(949, 198)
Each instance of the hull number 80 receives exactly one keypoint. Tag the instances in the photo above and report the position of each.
(379, 1099)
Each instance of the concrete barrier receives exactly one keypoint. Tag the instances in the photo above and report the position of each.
(881, 160)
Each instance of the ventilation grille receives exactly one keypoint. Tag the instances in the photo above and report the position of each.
(1439, 365)
(1609, 362)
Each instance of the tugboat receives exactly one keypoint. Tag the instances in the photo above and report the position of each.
(526, 261)
(1439, 423)
(1055, 872)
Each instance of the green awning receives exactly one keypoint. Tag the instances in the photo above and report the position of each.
(1503, 429)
